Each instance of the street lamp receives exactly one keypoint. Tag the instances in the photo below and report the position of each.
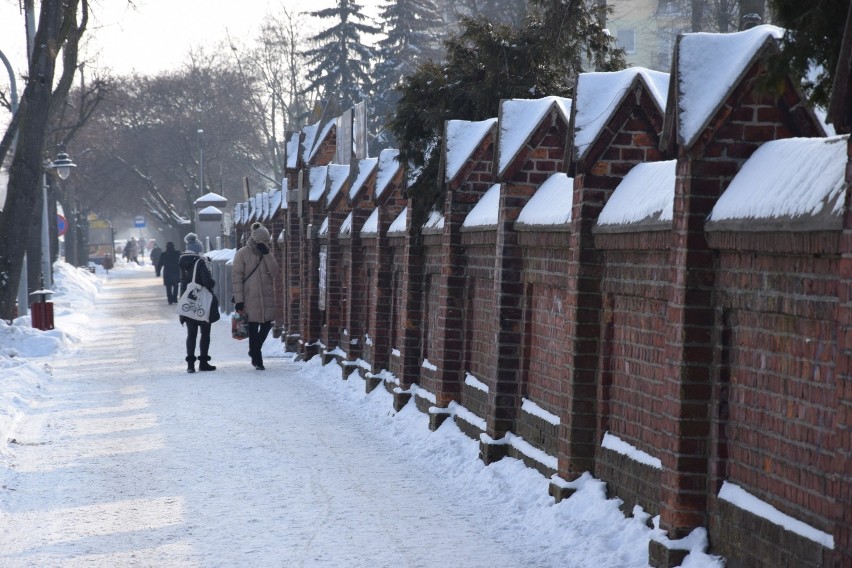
(61, 166)
(200, 163)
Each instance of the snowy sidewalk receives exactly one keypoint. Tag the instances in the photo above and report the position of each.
(124, 459)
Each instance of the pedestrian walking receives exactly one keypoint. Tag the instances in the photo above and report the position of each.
(253, 279)
(155, 257)
(193, 262)
(168, 266)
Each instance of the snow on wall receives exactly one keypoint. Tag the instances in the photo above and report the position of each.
(320, 136)
(292, 150)
(530, 407)
(435, 221)
(371, 225)
(398, 225)
(551, 204)
(388, 167)
(323, 230)
(519, 118)
(618, 445)
(486, 211)
(346, 226)
(705, 80)
(317, 176)
(365, 168)
(739, 497)
(310, 132)
(463, 136)
(337, 176)
(788, 178)
(599, 95)
(647, 190)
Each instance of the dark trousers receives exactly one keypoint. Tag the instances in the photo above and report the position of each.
(172, 293)
(257, 335)
(192, 327)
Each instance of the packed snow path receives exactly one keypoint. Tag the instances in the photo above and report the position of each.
(128, 460)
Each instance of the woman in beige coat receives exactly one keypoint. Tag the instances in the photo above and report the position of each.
(254, 273)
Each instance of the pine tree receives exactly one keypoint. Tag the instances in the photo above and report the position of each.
(811, 42)
(487, 63)
(339, 65)
(413, 31)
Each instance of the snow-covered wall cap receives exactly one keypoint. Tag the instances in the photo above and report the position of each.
(337, 176)
(307, 144)
(346, 226)
(519, 118)
(435, 222)
(388, 168)
(210, 210)
(323, 230)
(252, 209)
(317, 176)
(266, 204)
(320, 133)
(463, 137)
(486, 212)
(551, 204)
(275, 202)
(292, 149)
(365, 168)
(371, 225)
(708, 66)
(398, 225)
(600, 94)
(211, 199)
(645, 195)
(795, 179)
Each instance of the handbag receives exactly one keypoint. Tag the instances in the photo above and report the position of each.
(196, 300)
(239, 325)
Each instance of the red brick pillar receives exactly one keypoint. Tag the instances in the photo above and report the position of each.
(292, 272)
(841, 485)
(411, 287)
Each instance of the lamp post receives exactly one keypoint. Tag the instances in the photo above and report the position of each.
(61, 166)
(200, 163)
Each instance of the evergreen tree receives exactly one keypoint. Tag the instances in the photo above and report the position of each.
(413, 30)
(339, 65)
(487, 63)
(811, 42)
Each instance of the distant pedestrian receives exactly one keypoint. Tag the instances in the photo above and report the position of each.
(192, 262)
(155, 257)
(168, 266)
(253, 278)
(131, 250)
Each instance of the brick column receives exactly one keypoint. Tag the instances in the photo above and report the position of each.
(292, 271)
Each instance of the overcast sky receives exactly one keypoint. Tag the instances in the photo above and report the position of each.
(158, 34)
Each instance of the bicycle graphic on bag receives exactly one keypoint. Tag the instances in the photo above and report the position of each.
(193, 306)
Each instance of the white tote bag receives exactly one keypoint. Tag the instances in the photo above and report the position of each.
(195, 301)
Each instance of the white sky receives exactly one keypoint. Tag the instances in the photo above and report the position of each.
(158, 34)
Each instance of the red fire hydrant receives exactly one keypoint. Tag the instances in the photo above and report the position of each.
(42, 310)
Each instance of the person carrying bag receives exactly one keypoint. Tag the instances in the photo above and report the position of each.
(253, 277)
(197, 314)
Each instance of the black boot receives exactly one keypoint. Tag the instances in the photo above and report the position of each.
(190, 364)
(204, 364)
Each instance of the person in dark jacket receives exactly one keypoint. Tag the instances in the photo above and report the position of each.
(168, 266)
(155, 257)
(192, 260)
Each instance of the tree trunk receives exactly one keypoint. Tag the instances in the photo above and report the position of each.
(697, 15)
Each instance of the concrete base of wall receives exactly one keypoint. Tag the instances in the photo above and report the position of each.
(371, 383)
(660, 556)
(400, 399)
(560, 493)
(491, 453)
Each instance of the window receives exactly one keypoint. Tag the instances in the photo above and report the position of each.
(627, 40)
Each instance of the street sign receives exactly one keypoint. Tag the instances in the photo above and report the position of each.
(139, 222)
(61, 225)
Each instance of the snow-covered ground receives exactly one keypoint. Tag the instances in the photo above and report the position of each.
(112, 455)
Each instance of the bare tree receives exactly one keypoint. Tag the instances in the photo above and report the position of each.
(61, 24)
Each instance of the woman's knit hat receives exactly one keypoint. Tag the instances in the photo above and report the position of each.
(259, 233)
(193, 244)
